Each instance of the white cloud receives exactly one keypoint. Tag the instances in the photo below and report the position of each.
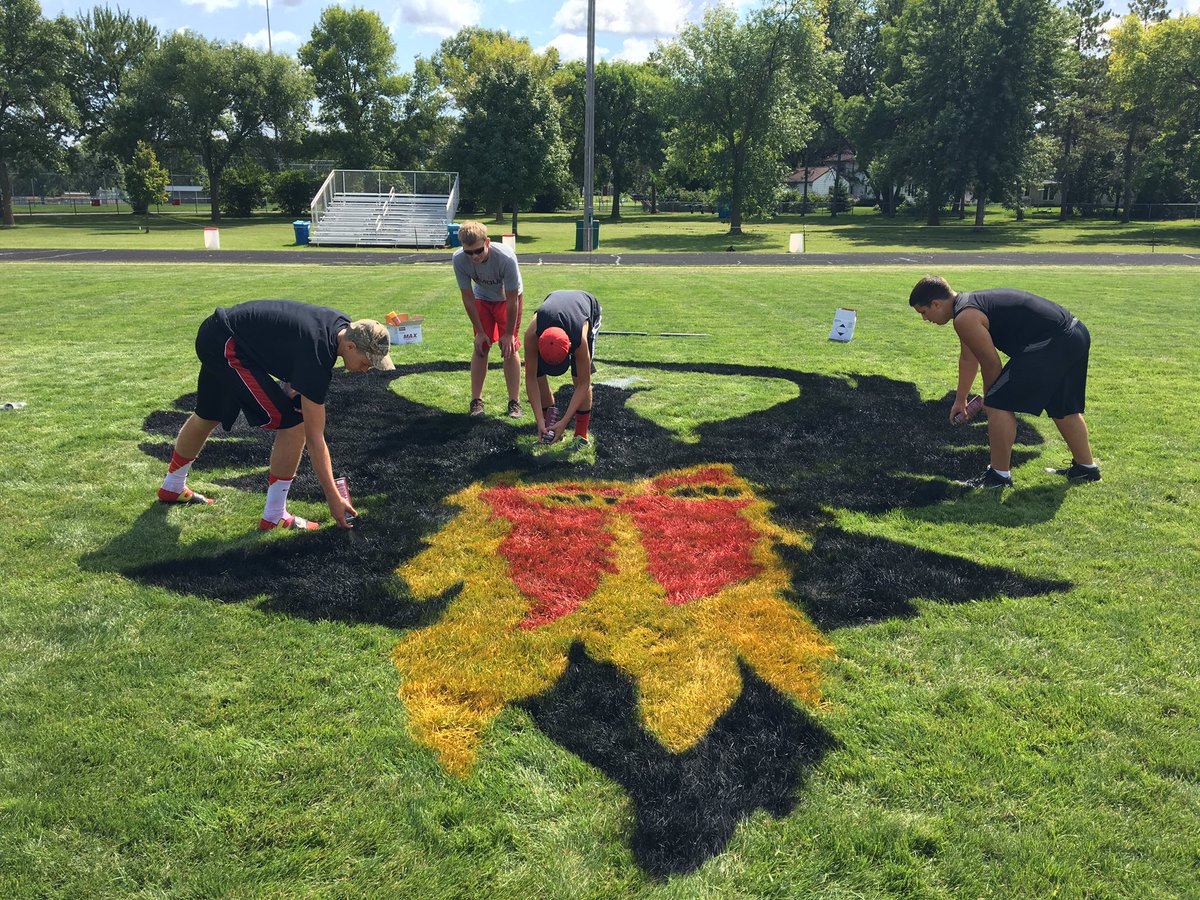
(636, 50)
(438, 17)
(279, 39)
(624, 16)
(212, 6)
(571, 47)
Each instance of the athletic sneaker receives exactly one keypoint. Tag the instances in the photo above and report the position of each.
(476, 407)
(988, 481)
(514, 409)
(1076, 472)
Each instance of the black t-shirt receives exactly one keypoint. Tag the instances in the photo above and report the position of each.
(567, 310)
(294, 342)
(1016, 319)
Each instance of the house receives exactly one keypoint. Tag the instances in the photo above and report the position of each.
(820, 178)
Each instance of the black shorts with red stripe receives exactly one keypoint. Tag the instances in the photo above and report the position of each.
(231, 382)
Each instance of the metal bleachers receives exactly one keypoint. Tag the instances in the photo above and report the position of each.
(384, 208)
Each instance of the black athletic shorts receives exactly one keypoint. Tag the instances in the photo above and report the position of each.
(230, 383)
(1050, 376)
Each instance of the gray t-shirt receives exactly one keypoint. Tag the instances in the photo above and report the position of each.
(499, 273)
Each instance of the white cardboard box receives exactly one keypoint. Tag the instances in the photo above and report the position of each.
(843, 324)
(407, 332)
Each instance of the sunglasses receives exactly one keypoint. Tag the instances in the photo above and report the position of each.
(476, 252)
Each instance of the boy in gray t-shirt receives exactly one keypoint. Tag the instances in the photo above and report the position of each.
(489, 280)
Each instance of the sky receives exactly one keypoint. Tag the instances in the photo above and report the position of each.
(625, 29)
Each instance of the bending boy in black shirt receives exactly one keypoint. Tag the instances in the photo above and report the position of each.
(242, 351)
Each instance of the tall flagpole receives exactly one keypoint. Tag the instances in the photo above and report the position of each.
(269, 50)
(589, 127)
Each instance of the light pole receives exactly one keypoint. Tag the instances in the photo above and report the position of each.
(269, 50)
(589, 127)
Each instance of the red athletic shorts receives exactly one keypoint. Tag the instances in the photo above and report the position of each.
(494, 317)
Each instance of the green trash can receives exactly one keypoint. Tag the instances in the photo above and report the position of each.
(301, 229)
(579, 234)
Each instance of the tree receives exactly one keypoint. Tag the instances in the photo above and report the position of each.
(1174, 47)
(1077, 112)
(1133, 77)
(111, 46)
(293, 190)
(629, 117)
(1014, 63)
(742, 97)
(35, 105)
(214, 100)
(351, 57)
(146, 181)
(508, 146)
(419, 128)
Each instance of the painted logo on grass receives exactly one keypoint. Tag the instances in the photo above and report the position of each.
(672, 580)
(661, 621)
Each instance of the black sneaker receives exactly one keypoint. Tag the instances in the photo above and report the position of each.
(1076, 472)
(988, 481)
(476, 407)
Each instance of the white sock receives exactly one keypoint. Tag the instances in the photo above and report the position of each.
(1087, 465)
(277, 491)
(1007, 473)
(176, 480)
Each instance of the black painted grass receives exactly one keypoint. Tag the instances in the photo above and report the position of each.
(824, 452)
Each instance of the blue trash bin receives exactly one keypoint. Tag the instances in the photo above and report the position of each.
(301, 229)
(452, 235)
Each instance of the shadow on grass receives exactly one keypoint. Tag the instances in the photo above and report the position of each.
(869, 444)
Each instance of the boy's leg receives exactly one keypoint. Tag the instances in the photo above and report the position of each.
(584, 416)
(512, 375)
(192, 435)
(479, 364)
(285, 460)
(1002, 433)
(1074, 431)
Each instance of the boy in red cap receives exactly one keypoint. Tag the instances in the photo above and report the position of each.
(243, 350)
(561, 336)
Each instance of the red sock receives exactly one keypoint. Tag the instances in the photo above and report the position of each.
(581, 423)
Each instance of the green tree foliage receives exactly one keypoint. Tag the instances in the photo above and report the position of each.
(1078, 112)
(146, 181)
(1134, 75)
(112, 45)
(508, 146)
(215, 101)
(630, 113)
(243, 189)
(351, 57)
(742, 97)
(293, 190)
(420, 127)
(35, 105)
(1173, 47)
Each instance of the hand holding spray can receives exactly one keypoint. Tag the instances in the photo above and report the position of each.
(974, 405)
(343, 488)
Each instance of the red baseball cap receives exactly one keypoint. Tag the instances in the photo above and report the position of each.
(553, 346)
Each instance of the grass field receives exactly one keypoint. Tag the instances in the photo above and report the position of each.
(1012, 711)
(638, 232)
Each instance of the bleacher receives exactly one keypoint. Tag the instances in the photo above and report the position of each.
(384, 209)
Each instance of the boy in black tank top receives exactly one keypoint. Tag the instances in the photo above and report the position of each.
(1047, 368)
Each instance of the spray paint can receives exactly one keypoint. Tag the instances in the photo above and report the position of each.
(548, 437)
(974, 405)
(343, 488)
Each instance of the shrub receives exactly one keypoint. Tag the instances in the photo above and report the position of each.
(292, 191)
(145, 180)
(243, 188)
